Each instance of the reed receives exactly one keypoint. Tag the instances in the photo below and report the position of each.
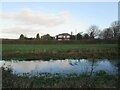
(95, 53)
(46, 80)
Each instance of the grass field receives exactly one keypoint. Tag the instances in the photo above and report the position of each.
(58, 51)
(25, 47)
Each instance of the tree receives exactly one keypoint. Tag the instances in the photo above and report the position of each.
(22, 37)
(93, 31)
(46, 37)
(115, 26)
(79, 36)
(72, 37)
(85, 36)
(37, 36)
(92, 35)
(107, 33)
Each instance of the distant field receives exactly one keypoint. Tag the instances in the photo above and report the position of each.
(26, 47)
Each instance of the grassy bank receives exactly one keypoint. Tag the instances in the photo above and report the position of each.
(46, 80)
(29, 47)
(13, 51)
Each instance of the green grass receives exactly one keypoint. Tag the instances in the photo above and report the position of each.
(25, 47)
(58, 51)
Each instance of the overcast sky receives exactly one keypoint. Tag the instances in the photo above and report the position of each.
(30, 18)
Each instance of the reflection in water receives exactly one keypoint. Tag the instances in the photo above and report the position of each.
(59, 66)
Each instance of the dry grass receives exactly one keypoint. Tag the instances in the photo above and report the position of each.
(109, 53)
(100, 79)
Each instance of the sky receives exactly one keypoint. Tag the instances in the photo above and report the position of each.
(30, 18)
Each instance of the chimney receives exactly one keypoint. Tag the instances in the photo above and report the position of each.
(71, 33)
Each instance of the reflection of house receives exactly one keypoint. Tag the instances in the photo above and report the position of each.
(63, 36)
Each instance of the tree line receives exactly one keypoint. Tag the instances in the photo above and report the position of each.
(44, 37)
(93, 32)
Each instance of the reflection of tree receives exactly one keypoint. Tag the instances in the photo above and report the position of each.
(88, 80)
(73, 63)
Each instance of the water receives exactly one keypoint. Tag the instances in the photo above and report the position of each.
(66, 66)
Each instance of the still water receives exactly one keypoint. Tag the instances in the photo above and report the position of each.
(66, 66)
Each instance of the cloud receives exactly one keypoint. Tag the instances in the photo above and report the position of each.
(17, 30)
(29, 23)
(27, 16)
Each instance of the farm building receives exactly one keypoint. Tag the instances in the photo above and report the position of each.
(63, 36)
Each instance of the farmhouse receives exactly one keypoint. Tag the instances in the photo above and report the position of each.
(63, 36)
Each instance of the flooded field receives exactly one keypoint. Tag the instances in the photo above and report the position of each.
(62, 67)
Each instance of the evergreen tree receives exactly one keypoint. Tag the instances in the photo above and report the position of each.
(22, 36)
(37, 36)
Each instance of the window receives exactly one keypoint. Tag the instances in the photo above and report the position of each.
(68, 36)
(60, 36)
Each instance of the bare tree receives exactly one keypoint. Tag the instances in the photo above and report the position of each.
(115, 23)
(115, 26)
(93, 31)
(107, 33)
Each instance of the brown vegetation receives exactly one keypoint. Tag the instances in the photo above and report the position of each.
(62, 54)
